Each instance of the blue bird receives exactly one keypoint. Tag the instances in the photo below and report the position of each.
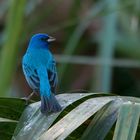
(39, 68)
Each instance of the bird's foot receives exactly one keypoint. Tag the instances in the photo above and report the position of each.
(27, 99)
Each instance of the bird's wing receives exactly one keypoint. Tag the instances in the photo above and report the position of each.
(31, 76)
(52, 75)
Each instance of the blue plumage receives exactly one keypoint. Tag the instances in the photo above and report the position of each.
(39, 68)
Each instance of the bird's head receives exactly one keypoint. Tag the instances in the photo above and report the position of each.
(41, 40)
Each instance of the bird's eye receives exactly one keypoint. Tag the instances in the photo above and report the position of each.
(43, 39)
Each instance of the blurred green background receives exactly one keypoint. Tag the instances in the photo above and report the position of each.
(97, 47)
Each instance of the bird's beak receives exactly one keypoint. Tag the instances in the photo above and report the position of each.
(51, 39)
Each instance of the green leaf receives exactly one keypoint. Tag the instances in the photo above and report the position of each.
(6, 130)
(72, 121)
(10, 112)
(11, 108)
(103, 121)
(32, 123)
(127, 122)
(75, 118)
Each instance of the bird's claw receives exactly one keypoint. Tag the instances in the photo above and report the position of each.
(27, 99)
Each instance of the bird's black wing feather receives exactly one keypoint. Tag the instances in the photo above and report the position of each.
(52, 75)
(31, 77)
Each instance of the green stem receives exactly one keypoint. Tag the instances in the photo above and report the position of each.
(10, 49)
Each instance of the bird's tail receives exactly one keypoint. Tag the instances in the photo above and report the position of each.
(49, 104)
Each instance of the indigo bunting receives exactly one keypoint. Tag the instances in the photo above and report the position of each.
(39, 68)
